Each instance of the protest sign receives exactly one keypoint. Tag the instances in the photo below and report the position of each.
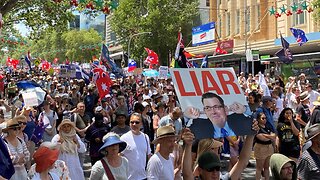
(163, 72)
(213, 98)
(30, 99)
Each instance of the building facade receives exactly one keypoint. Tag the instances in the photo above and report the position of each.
(249, 24)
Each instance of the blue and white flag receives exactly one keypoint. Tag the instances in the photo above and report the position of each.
(204, 63)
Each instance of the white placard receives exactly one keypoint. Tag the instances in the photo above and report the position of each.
(30, 99)
(163, 72)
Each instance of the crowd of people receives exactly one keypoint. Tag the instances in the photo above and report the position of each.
(138, 131)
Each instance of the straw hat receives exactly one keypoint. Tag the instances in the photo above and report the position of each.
(304, 96)
(313, 131)
(164, 132)
(11, 123)
(64, 122)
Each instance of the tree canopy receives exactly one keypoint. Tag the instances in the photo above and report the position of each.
(76, 45)
(163, 18)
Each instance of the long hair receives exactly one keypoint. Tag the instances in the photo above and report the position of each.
(282, 118)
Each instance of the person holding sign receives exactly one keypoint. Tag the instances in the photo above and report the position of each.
(219, 122)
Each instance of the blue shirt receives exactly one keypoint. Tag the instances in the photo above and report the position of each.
(218, 133)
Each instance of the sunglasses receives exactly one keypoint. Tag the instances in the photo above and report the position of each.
(134, 122)
(217, 168)
(23, 123)
(16, 128)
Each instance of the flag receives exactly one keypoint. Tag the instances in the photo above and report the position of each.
(27, 84)
(263, 85)
(105, 57)
(220, 51)
(82, 74)
(189, 64)
(152, 57)
(179, 46)
(45, 65)
(103, 83)
(132, 65)
(204, 63)
(27, 58)
(284, 54)
(299, 35)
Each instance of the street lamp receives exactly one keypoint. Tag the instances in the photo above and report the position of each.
(130, 41)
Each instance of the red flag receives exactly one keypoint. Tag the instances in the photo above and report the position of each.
(152, 57)
(46, 65)
(220, 51)
(103, 84)
(9, 61)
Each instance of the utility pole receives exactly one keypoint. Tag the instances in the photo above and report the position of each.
(245, 33)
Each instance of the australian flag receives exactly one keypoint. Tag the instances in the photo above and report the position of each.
(284, 54)
(299, 35)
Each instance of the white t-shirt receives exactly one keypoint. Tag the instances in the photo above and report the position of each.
(138, 146)
(279, 107)
(160, 168)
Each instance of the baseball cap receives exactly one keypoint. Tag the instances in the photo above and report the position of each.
(208, 161)
(98, 108)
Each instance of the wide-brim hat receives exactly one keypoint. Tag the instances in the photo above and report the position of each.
(11, 123)
(164, 132)
(317, 102)
(304, 96)
(44, 158)
(313, 131)
(112, 140)
(64, 122)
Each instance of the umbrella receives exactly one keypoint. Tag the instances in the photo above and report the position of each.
(151, 73)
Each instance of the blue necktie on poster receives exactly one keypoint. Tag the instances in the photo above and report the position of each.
(224, 132)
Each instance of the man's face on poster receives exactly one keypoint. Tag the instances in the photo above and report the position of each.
(215, 111)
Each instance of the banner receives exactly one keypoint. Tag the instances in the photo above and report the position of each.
(203, 34)
(213, 98)
(163, 72)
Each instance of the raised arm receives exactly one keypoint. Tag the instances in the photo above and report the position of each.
(244, 157)
(187, 137)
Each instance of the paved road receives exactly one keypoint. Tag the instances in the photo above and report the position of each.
(248, 174)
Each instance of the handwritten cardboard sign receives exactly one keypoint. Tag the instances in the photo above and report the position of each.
(30, 99)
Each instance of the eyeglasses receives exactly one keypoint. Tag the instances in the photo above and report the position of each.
(217, 168)
(16, 128)
(23, 123)
(134, 122)
(210, 108)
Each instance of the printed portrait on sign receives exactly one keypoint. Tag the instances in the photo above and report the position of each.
(213, 102)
